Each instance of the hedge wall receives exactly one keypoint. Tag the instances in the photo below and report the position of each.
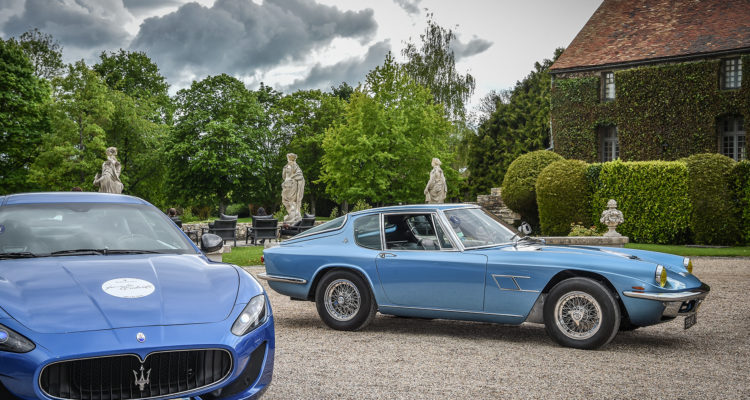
(519, 183)
(652, 195)
(739, 180)
(676, 105)
(713, 220)
(563, 196)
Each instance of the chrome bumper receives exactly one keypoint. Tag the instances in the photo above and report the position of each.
(684, 303)
(277, 278)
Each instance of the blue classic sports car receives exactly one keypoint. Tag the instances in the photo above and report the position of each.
(103, 297)
(459, 262)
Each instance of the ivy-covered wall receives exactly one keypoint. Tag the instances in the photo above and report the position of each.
(677, 105)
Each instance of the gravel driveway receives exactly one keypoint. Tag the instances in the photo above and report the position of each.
(401, 358)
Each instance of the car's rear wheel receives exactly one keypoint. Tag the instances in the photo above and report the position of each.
(344, 301)
(581, 313)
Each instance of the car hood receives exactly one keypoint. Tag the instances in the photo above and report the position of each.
(67, 294)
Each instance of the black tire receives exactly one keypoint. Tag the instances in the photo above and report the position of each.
(344, 301)
(593, 316)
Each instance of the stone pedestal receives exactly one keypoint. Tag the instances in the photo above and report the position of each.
(606, 241)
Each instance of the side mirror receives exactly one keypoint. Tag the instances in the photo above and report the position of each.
(525, 228)
(211, 243)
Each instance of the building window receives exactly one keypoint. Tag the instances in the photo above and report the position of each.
(731, 73)
(609, 147)
(608, 86)
(732, 139)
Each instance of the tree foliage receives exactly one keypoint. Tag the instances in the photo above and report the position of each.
(23, 117)
(517, 126)
(381, 152)
(44, 53)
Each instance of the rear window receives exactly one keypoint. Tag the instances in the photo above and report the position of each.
(335, 223)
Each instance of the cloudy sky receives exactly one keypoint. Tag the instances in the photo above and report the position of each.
(301, 44)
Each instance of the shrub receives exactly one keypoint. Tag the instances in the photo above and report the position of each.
(238, 209)
(519, 184)
(334, 212)
(577, 229)
(713, 219)
(652, 195)
(562, 193)
(361, 205)
(281, 213)
(739, 180)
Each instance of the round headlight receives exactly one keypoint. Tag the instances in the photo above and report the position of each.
(688, 264)
(661, 275)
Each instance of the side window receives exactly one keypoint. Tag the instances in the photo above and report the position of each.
(445, 243)
(367, 232)
(410, 232)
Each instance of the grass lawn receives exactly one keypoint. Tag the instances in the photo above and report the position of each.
(693, 251)
(244, 256)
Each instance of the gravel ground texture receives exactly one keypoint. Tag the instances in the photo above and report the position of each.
(405, 358)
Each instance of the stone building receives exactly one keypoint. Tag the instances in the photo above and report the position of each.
(654, 79)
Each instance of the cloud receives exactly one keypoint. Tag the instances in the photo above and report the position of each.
(351, 70)
(410, 6)
(143, 6)
(240, 37)
(474, 47)
(80, 24)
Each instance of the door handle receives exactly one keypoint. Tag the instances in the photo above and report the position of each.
(384, 255)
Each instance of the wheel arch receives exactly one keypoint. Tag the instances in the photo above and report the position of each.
(575, 273)
(322, 271)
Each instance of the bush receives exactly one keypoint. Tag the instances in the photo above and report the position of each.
(334, 212)
(562, 193)
(739, 180)
(577, 229)
(361, 205)
(713, 220)
(653, 197)
(238, 209)
(519, 184)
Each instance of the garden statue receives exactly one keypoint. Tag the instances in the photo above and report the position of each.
(612, 217)
(436, 189)
(292, 190)
(109, 179)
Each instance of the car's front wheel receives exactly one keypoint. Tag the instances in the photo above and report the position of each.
(581, 313)
(344, 301)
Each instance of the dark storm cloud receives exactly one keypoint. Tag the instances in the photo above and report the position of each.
(241, 37)
(474, 47)
(410, 6)
(139, 6)
(350, 71)
(80, 23)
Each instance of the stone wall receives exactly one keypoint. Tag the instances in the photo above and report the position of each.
(493, 203)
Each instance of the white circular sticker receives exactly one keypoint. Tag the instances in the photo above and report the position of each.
(128, 288)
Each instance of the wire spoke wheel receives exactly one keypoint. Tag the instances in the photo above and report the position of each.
(578, 315)
(342, 300)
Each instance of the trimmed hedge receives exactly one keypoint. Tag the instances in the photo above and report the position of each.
(562, 193)
(519, 184)
(653, 197)
(739, 180)
(713, 220)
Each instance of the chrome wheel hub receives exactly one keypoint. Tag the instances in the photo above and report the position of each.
(342, 300)
(578, 315)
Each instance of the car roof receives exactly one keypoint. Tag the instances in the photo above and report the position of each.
(415, 208)
(68, 197)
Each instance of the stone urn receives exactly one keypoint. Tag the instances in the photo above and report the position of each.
(612, 217)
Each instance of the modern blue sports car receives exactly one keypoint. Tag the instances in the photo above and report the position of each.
(102, 297)
(460, 262)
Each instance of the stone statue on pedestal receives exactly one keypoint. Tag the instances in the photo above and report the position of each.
(109, 179)
(292, 190)
(436, 189)
(612, 217)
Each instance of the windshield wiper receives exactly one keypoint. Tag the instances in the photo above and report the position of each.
(77, 252)
(115, 251)
(18, 254)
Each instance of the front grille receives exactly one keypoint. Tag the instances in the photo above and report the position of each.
(124, 377)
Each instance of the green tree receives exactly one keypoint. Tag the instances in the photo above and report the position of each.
(381, 152)
(73, 151)
(24, 99)
(44, 53)
(342, 91)
(519, 124)
(433, 65)
(212, 157)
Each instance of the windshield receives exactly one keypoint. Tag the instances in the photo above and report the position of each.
(475, 227)
(59, 228)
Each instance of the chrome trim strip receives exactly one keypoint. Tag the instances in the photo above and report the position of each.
(305, 234)
(455, 311)
(513, 278)
(224, 378)
(699, 293)
(277, 278)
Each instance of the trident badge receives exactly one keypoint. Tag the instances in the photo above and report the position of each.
(142, 381)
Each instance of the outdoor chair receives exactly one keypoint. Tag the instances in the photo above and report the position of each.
(307, 222)
(264, 227)
(224, 228)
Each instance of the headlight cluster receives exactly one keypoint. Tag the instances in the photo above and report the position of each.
(14, 342)
(688, 264)
(253, 316)
(661, 275)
